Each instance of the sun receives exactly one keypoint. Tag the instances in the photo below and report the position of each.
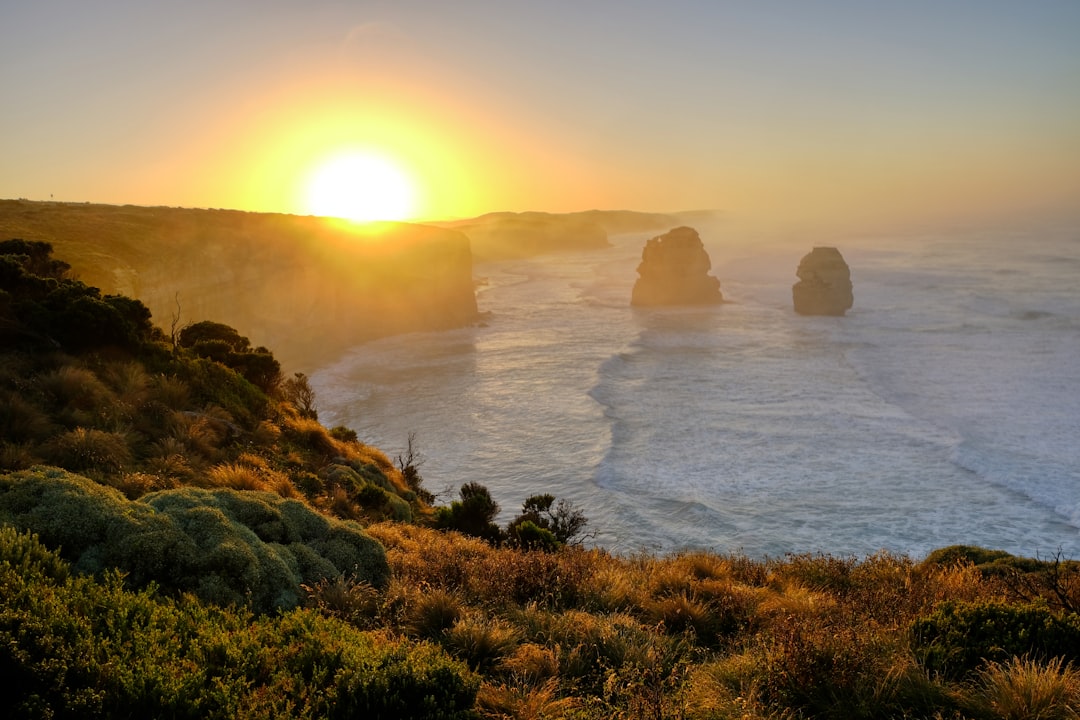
(362, 187)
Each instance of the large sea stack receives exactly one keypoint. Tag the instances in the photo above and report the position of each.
(824, 286)
(674, 270)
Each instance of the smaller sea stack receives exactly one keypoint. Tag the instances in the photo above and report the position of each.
(674, 270)
(824, 286)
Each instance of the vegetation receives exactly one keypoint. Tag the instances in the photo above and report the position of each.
(181, 538)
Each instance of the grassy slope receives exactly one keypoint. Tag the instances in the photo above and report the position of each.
(575, 633)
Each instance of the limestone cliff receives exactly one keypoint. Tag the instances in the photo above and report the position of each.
(305, 287)
(824, 286)
(674, 270)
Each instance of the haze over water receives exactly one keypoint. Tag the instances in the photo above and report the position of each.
(943, 409)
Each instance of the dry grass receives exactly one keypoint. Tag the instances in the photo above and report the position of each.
(480, 640)
(433, 613)
(1024, 688)
(89, 450)
(136, 484)
(22, 421)
(354, 601)
(524, 702)
(76, 388)
(234, 476)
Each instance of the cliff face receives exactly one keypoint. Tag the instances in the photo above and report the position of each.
(674, 270)
(824, 286)
(306, 287)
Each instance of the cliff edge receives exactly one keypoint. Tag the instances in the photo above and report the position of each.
(308, 287)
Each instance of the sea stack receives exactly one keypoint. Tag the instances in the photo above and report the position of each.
(824, 286)
(674, 270)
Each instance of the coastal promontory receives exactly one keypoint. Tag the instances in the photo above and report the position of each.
(674, 270)
(309, 287)
(510, 235)
(824, 286)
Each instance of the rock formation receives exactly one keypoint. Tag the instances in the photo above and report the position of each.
(674, 270)
(824, 286)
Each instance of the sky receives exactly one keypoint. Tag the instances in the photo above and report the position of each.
(811, 112)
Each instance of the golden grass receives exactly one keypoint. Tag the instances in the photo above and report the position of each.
(1024, 688)
(524, 701)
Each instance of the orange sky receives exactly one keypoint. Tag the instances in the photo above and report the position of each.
(836, 114)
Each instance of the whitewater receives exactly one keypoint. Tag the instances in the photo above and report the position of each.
(943, 409)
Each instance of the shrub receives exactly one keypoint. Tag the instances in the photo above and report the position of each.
(473, 514)
(24, 554)
(530, 536)
(225, 546)
(959, 554)
(547, 528)
(86, 649)
(958, 637)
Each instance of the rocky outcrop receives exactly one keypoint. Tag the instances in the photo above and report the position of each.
(306, 287)
(824, 286)
(674, 270)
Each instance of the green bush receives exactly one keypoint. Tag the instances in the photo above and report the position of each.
(473, 515)
(959, 637)
(81, 648)
(24, 553)
(225, 546)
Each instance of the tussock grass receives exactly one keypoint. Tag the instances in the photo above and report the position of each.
(524, 702)
(479, 640)
(1023, 688)
(89, 450)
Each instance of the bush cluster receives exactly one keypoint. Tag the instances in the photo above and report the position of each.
(225, 546)
(541, 525)
(73, 647)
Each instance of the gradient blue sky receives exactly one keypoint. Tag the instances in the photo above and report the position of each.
(815, 112)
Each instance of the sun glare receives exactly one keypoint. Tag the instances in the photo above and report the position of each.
(361, 187)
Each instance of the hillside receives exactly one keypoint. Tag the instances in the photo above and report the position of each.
(307, 287)
(181, 537)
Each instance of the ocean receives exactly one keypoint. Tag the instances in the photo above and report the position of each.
(943, 409)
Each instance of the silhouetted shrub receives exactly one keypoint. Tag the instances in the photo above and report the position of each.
(473, 515)
(45, 308)
(297, 391)
(223, 344)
